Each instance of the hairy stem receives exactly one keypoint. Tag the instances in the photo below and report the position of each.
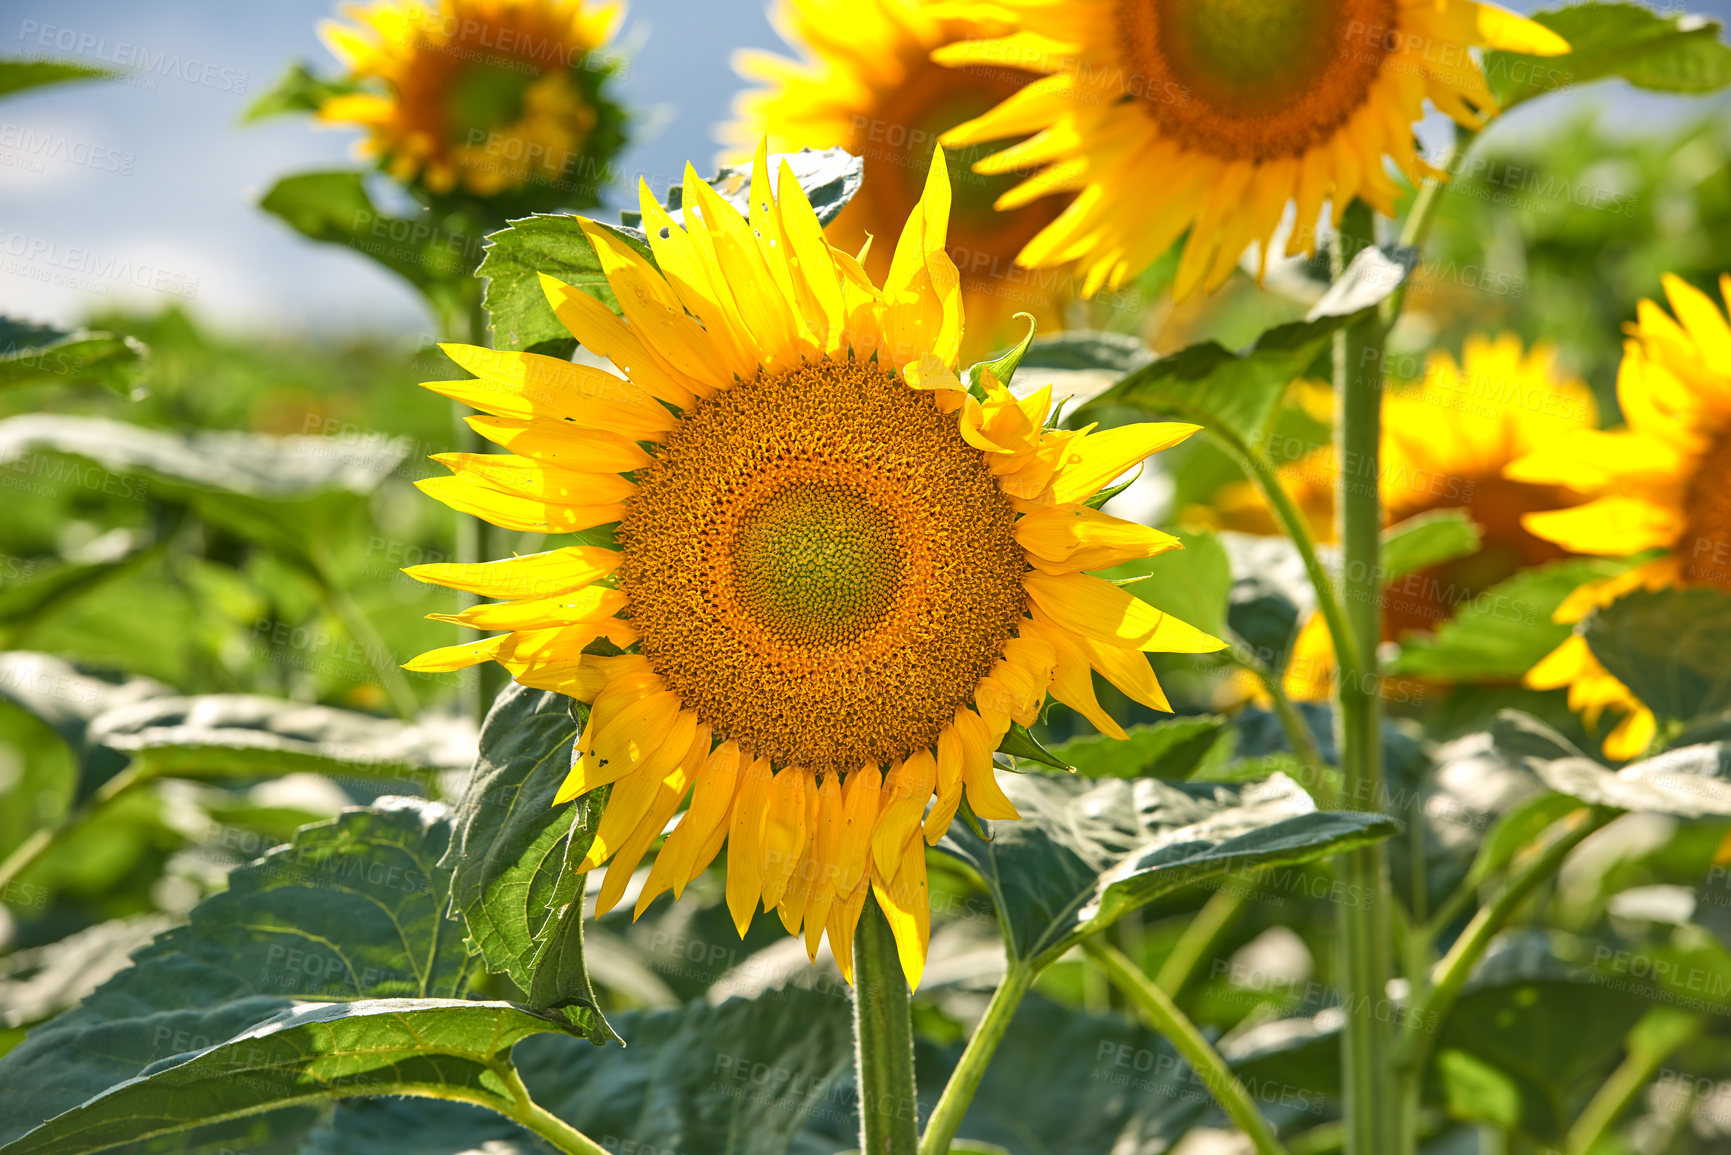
(965, 1079)
(883, 1032)
(1163, 1014)
(531, 1115)
(1660, 1032)
(1293, 725)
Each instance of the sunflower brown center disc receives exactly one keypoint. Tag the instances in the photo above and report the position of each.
(821, 567)
(1703, 547)
(1252, 79)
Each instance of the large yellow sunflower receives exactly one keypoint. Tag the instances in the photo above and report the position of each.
(869, 86)
(1661, 483)
(835, 578)
(1446, 444)
(484, 96)
(1212, 115)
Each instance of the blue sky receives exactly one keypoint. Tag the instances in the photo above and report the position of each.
(142, 193)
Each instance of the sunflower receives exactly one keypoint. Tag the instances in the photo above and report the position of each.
(834, 576)
(869, 86)
(1212, 115)
(1447, 443)
(482, 96)
(1661, 483)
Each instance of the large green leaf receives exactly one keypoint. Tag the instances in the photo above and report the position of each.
(1085, 852)
(1501, 633)
(513, 854)
(68, 700)
(742, 1078)
(307, 1053)
(352, 910)
(1669, 647)
(1170, 749)
(251, 464)
(18, 75)
(1666, 50)
(335, 208)
(241, 735)
(554, 244)
(1690, 781)
(34, 353)
(1237, 392)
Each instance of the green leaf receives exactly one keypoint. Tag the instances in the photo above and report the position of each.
(1018, 743)
(1238, 392)
(1084, 349)
(68, 700)
(1003, 368)
(516, 257)
(1669, 52)
(433, 1048)
(1428, 539)
(33, 353)
(253, 465)
(1087, 852)
(514, 853)
(1171, 749)
(1690, 781)
(18, 75)
(1669, 648)
(1553, 1031)
(51, 584)
(241, 735)
(298, 91)
(555, 245)
(1192, 584)
(335, 209)
(1501, 633)
(352, 910)
(743, 1078)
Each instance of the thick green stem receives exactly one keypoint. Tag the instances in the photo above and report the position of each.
(965, 1079)
(1433, 1002)
(1199, 937)
(1373, 1108)
(883, 1032)
(1163, 1014)
(531, 1115)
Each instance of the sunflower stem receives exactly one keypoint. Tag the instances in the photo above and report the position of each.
(1374, 1108)
(965, 1079)
(883, 1030)
(534, 1117)
(1164, 1016)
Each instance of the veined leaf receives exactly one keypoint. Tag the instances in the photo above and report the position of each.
(34, 353)
(1500, 633)
(1169, 749)
(238, 735)
(1669, 51)
(334, 208)
(1689, 781)
(1238, 392)
(1087, 852)
(306, 1053)
(1669, 648)
(352, 910)
(514, 855)
(554, 244)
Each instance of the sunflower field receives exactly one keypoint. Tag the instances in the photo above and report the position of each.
(1107, 577)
